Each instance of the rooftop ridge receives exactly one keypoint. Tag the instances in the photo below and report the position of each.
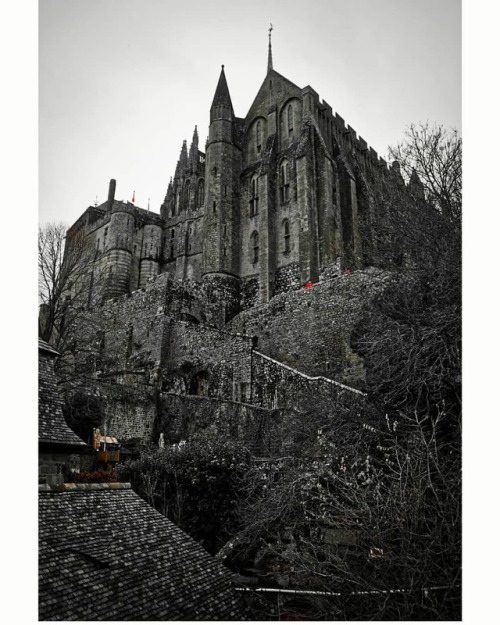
(93, 486)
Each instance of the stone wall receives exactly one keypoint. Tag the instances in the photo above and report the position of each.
(52, 467)
(199, 418)
(310, 329)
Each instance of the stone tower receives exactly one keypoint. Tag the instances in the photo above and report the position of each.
(221, 241)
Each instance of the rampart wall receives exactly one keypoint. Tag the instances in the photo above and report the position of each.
(310, 329)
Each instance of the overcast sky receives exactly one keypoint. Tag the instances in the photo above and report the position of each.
(123, 82)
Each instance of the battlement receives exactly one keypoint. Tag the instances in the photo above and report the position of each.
(346, 134)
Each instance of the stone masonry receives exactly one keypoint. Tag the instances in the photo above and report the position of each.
(227, 311)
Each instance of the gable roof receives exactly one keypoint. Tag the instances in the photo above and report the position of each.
(52, 428)
(282, 90)
(105, 554)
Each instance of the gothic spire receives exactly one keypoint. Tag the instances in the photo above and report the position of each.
(222, 97)
(183, 160)
(193, 150)
(270, 52)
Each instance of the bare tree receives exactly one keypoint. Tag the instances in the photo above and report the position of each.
(371, 519)
(66, 274)
(434, 153)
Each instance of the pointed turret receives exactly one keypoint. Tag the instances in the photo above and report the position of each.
(168, 202)
(222, 107)
(193, 151)
(183, 160)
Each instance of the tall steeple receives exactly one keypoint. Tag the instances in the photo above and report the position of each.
(270, 52)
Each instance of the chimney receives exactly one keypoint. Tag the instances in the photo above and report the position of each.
(111, 194)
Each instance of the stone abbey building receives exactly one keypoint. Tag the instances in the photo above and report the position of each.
(206, 299)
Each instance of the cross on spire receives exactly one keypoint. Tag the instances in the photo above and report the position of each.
(270, 52)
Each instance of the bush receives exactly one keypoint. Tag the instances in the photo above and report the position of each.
(98, 476)
(196, 485)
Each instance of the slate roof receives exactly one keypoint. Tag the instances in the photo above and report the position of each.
(52, 428)
(105, 554)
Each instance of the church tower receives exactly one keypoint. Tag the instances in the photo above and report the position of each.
(221, 245)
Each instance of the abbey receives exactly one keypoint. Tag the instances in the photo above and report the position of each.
(284, 196)
(235, 304)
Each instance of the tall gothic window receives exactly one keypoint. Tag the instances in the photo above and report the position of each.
(172, 238)
(254, 196)
(201, 193)
(284, 181)
(286, 235)
(258, 136)
(290, 117)
(254, 239)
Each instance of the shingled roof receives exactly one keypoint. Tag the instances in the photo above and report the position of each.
(105, 554)
(52, 428)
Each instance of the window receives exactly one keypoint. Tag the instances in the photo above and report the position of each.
(286, 235)
(254, 196)
(187, 193)
(284, 181)
(201, 193)
(258, 136)
(290, 118)
(255, 247)
(172, 235)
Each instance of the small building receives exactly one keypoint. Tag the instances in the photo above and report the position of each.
(59, 448)
(107, 449)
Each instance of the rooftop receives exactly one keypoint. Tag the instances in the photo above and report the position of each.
(105, 554)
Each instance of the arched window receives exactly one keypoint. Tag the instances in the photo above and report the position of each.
(201, 193)
(258, 136)
(284, 181)
(286, 235)
(254, 196)
(290, 118)
(254, 240)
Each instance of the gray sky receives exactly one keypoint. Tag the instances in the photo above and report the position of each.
(123, 82)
